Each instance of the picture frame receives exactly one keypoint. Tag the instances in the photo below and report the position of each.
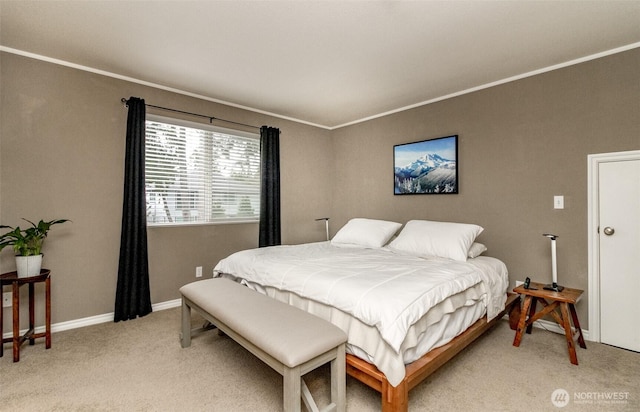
(426, 167)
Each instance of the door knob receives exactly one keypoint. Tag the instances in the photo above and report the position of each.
(609, 231)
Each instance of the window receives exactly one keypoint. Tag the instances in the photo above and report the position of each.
(197, 173)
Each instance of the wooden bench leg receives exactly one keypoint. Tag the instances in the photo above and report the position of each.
(292, 389)
(185, 336)
(566, 323)
(576, 325)
(522, 324)
(532, 311)
(514, 313)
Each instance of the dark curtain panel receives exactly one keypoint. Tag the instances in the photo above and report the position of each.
(269, 186)
(133, 297)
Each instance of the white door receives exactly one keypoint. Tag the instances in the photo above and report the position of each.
(619, 241)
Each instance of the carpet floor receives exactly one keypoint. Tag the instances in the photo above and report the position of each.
(139, 365)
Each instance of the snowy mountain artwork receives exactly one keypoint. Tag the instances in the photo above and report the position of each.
(426, 167)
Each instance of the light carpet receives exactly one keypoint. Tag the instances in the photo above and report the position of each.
(138, 365)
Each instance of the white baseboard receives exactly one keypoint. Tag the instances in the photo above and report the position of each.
(93, 320)
(108, 317)
(551, 327)
(167, 305)
(554, 327)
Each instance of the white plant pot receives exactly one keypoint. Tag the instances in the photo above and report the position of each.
(28, 266)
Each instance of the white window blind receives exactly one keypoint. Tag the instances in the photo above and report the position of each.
(198, 174)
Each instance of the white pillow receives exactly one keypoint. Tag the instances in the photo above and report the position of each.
(440, 239)
(365, 232)
(476, 250)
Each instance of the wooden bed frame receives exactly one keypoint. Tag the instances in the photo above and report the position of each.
(396, 399)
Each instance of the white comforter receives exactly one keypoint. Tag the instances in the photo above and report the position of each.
(381, 288)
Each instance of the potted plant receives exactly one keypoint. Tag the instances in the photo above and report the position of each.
(27, 244)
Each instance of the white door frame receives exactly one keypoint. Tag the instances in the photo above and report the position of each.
(593, 237)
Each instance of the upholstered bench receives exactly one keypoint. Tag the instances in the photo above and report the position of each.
(289, 340)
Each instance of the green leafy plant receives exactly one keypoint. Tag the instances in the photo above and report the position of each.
(27, 242)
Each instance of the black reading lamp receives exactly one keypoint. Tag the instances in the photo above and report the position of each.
(326, 224)
(554, 265)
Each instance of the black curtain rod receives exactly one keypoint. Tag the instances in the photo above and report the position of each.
(211, 118)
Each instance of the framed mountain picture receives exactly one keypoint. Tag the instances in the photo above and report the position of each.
(426, 167)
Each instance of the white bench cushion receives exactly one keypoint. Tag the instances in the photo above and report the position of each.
(290, 335)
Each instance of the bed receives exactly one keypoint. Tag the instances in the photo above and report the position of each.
(407, 303)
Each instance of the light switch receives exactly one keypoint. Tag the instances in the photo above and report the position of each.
(558, 202)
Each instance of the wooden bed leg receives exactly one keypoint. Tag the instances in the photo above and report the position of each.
(395, 399)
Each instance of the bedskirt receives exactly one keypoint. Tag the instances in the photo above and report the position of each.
(440, 325)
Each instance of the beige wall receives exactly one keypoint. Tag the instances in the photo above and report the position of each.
(61, 152)
(519, 144)
(62, 148)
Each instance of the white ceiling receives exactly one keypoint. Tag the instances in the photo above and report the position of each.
(326, 63)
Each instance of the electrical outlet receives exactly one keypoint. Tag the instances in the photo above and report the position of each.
(198, 271)
(558, 202)
(7, 299)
